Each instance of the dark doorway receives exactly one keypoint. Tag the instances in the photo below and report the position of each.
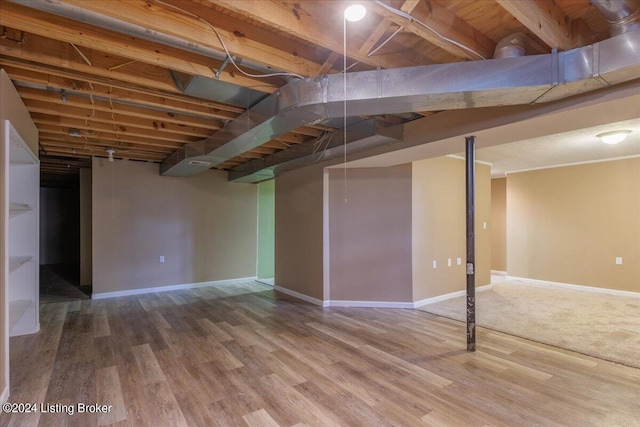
(60, 244)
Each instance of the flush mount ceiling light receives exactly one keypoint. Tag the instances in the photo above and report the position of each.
(613, 137)
(355, 12)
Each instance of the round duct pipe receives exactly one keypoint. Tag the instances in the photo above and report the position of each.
(512, 46)
(623, 15)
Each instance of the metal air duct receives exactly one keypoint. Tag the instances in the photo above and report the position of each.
(495, 82)
(365, 134)
(623, 15)
(512, 46)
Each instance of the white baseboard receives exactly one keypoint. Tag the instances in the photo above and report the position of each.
(537, 282)
(303, 297)
(16, 332)
(270, 281)
(370, 304)
(4, 396)
(498, 273)
(439, 298)
(141, 291)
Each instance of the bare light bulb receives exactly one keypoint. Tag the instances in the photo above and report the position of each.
(110, 152)
(355, 12)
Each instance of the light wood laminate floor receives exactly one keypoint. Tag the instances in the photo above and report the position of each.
(242, 354)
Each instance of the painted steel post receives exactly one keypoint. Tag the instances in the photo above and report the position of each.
(470, 161)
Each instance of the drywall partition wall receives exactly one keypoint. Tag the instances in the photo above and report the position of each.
(370, 234)
(439, 226)
(266, 229)
(569, 224)
(299, 232)
(12, 109)
(203, 226)
(499, 224)
(60, 226)
(85, 227)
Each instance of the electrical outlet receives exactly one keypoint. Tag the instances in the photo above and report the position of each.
(435, 264)
(449, 262)
(484, 225)
(619, 260)
(458, 261)
(161, 258)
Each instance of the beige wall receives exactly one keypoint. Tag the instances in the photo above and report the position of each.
(370, 234)
(569, 224)
(499, 224)
(299, 231)
(439, 230)
(85, 227)
(299, 241)
(11, 108)
(204, 226)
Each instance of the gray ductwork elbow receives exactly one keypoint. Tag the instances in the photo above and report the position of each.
(623, 15)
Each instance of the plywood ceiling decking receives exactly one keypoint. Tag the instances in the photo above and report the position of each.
(111, 89)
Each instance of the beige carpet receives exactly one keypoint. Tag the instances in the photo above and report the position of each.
(600, 325)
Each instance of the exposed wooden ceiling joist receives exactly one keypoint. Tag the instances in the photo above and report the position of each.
(119, 90)
(84, 106)
(84, 35)
(544, 19)
(187, 27)
(436, 24)
(294, 18)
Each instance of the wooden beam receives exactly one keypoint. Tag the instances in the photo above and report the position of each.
(383, 26)
(166, 104)
(581, 34)
(45, 126)
(143, 79)
(83, 35)
(441, 21)
(328, 63)
(40, 118)
(104, 121)
(111, 138)
(102, 148)
(301, 20)
(86, 153)
(80, 142)
(543, 18)
(170, 21)
(160, 118)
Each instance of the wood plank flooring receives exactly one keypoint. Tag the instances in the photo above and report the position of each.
(241, 354)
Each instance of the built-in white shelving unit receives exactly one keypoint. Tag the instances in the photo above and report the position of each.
(23, 218)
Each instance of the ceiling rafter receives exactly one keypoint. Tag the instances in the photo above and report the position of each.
(292, 19)
(160, 118)
(89, 136)
(55, 144)
(47, 137)
(544, 19)
(84, 35)
(443, 22)
(72, 82)
(125, 122)
(169, 21)
(59, 120)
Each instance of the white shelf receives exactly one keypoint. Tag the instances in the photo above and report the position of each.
(16, 261)
(18, 208)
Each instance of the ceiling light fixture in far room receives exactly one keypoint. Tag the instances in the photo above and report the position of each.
(110, 152)
(355, 12)
(613, 137)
